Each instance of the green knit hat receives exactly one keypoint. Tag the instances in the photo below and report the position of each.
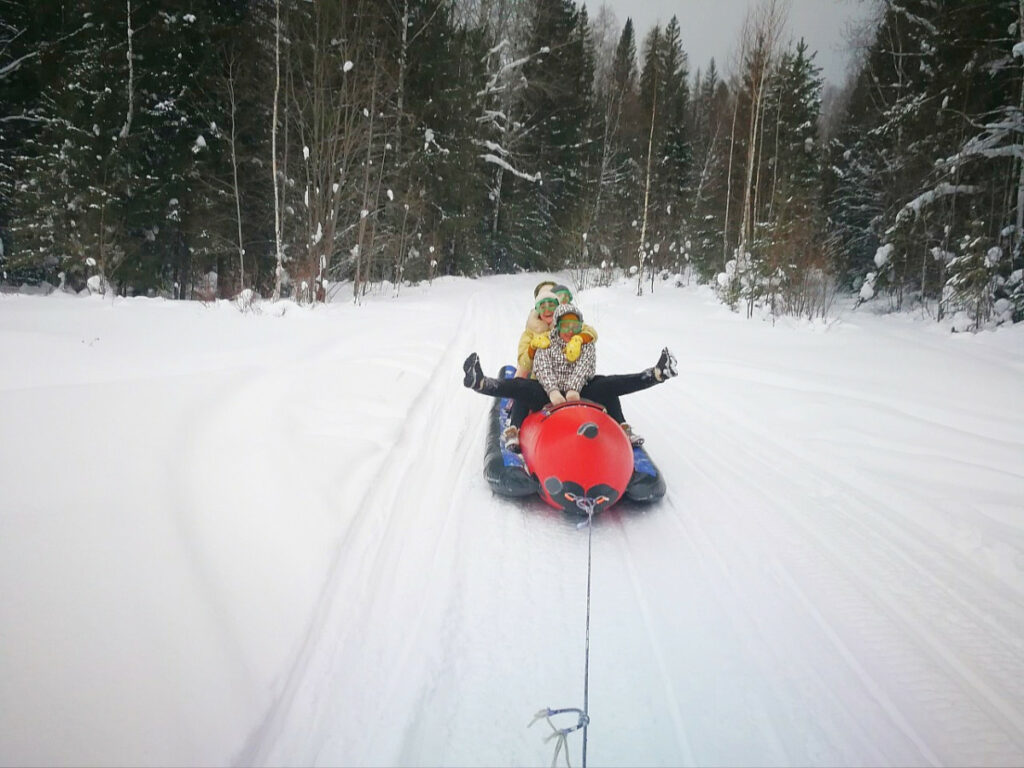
(562, 289)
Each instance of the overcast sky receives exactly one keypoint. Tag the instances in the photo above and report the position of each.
(712, 27)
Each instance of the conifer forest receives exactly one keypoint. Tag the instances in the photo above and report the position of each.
(198, 149)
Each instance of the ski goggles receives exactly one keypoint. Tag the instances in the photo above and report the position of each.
(546, 304)
(565, 296)
(570, 326)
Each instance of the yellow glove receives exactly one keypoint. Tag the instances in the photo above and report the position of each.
(540, 341)
(572, 349)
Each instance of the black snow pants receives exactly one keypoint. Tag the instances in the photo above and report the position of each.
(528, 395)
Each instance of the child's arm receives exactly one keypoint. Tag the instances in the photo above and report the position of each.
(584, 368)
(525, 357)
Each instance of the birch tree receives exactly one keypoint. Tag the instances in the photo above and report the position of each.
(332, 117)
(278, 245)
(231, 64)
(502, 128)
(653, 73)
(760, 40)
(129, 32)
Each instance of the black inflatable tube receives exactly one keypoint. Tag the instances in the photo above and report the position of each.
(515, 481)
(644, 487)
(508, 481)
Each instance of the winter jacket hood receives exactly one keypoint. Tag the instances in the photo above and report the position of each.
(534, 324)
(560, 312)
(545, 294)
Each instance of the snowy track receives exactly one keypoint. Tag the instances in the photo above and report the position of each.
(836, 575)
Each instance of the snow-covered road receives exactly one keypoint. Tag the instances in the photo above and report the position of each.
(244, 539)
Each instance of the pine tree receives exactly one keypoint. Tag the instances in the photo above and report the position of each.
(446, 184)
(28, 34)
(168, 238)
(622, 177)
(67, 207)
(558, 103)
(710, 137)
(980, 94)
(794, 259)
(232, 195)
(501, 135)
(926, 136)
(675, 154)
(747, 235)
(974, 277)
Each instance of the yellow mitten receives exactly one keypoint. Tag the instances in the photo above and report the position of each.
(540, 341)
(573, 347)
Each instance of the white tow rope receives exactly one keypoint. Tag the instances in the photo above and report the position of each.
(583, 721)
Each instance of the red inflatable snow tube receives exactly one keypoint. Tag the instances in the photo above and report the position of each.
(580, 456)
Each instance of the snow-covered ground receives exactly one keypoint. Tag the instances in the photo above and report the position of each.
(266, 539)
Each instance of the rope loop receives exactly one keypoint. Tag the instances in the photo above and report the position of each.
(561, 734)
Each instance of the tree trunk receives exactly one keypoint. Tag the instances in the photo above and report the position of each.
(495, 220)
(647, 193)
(403, 56)
(746, 227)
(234, 173)
(131, 78)
(728, 183)
(1020, 163)
(364, 213)
(273, 152)
(708, 156)
(400, 258)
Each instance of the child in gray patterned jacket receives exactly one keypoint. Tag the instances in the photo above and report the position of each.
(561, 377)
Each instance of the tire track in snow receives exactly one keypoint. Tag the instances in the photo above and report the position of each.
(920, 600)
(914, 533)
(785, 549)
(501, 605)
(783, 646)
(743, 575)
(680, 729)
(315, 723)
(285, 734)
(919, 413)
(973, 642)
(435, 665)
(918, 551)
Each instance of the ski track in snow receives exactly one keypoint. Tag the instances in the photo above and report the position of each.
(360, 562)
(873, 557)
(835, 577)
(920, 660)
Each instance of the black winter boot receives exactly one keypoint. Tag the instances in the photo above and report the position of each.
(635, 440)
(474, 378)
(665, 368)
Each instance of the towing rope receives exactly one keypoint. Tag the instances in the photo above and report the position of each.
(561, 734)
